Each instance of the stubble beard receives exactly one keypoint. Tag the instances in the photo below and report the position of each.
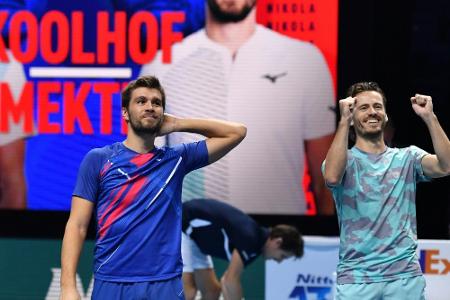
(222, 16)
(371, 135)
(143, 130)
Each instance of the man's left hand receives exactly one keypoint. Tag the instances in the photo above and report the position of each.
(168, 125)
(422, 105)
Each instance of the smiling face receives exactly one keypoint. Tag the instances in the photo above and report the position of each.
(369, 115)
(145, 111)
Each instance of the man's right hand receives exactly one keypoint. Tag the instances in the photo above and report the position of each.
(69, 294)
(346, 107)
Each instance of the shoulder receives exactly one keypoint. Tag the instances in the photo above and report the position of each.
(416, 152)
(186, 147)
(105, 150)
(98, 156)
(179, 51)
(192, 41)
(282, 42)
(408, 151)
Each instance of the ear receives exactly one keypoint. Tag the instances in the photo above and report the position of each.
(386, 118)
(351, 123)
(278, 241)
(125, 114)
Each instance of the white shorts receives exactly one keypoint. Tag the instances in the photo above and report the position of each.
(193, 257)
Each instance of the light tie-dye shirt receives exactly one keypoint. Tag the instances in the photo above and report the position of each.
(375, 203)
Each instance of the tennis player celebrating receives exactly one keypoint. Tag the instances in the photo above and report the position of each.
(374, 190)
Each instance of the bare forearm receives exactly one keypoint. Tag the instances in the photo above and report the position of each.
(222, 136)
(441, 143)
(211, 127)
(74, 237)
(232, 290)
(336, 159)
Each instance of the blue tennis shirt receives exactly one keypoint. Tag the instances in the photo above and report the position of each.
(138, 209)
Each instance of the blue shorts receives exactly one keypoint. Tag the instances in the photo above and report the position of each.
(412, 288)
(171, 289)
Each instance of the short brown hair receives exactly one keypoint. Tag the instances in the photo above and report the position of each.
(365, 86)
(292, 240)
(147, 81)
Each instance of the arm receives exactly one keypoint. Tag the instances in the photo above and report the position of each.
(222, 136)
(73, 240)
(437, 165)
(316, 151)
(336, 159)
(231, 279)
(12, 179)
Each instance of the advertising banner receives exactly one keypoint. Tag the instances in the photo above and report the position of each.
(313, 276)
(63, 65)
(310, 278)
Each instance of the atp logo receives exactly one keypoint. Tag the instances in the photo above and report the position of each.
(432, 262)
(311, 287)
(54, 289)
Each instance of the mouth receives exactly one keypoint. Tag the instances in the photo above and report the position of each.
(373, 121)
(149, 117)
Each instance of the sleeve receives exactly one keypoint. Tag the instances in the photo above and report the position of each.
(87, 184)
(417, 155)
(248, 246)
(195, 155)
(323, 174)
(317, 97)
(350, 160)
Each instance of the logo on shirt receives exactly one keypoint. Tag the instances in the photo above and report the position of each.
(123, 173)
(274, 78)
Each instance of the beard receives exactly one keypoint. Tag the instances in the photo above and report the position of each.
(370, 135)
(230, 16)
(140, 128)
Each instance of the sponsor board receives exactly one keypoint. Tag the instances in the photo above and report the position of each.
(313, 276)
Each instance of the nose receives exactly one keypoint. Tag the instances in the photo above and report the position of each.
(149, 106)
(372, 111)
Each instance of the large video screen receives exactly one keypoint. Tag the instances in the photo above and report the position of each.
(270, 65)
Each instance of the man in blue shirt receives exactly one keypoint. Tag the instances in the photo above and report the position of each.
(214, 228)
(135, 190)
(374, 190)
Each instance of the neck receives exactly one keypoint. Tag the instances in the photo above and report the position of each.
(231, 35)
(375, 145)
(140, 143)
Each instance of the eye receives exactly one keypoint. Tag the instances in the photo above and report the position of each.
(157, 102)
(141, 100)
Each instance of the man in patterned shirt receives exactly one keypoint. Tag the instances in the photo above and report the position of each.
(374, 190)
(135, 189)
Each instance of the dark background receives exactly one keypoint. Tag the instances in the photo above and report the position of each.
(402, 45)
(405, 47)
